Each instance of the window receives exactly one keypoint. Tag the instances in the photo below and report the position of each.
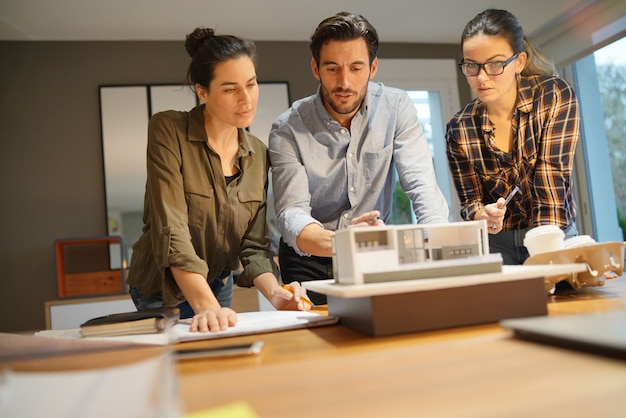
(570, 41)
(432, 85)
(600, 80)
(611, 70)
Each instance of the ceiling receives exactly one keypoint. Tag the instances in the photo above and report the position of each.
(429, 21)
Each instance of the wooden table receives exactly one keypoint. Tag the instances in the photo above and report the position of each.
(477, 371)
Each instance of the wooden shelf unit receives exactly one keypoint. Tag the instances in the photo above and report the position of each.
(84, 266)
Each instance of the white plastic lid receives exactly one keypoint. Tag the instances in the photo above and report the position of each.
(543, 229)
(579, 241)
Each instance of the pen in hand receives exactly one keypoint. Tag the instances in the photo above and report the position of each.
(510, 196)
(303, 298)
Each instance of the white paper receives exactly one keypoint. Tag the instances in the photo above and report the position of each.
(248, 323)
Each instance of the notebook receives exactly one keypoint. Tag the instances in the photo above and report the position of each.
(131, 323)
(601, 333)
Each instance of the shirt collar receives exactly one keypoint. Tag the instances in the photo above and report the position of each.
(245, 143)
(484, 118)
(196, 132)
(525, 95)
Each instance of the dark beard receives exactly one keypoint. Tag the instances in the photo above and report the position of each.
(339, 110)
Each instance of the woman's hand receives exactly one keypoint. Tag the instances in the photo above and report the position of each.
(288, 297)
(291, 297)
(213, 320)
(210, 316)
(493, 213)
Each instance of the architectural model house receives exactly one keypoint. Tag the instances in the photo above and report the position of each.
(403, 252)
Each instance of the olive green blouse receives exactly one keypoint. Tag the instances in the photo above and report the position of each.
(192, 219)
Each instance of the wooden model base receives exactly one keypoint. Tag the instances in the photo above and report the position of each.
(398, 313)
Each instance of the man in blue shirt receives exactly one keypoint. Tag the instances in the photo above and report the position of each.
(335, 154)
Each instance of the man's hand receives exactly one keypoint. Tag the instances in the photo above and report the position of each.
(371, 218)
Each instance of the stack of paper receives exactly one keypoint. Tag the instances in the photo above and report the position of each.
(248, 323)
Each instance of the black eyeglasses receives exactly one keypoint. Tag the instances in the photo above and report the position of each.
(471, 69)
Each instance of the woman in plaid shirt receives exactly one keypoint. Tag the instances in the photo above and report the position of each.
(521, 130)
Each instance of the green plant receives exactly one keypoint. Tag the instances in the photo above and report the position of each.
(400, 208)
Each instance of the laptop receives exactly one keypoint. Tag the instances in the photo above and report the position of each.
(602, 333)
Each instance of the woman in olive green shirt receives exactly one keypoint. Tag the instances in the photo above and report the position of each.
(205, 200)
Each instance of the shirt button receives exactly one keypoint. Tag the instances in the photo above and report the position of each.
(224, 206)
(352, 189)
(343, 131)
(350, 155)
(345, 215)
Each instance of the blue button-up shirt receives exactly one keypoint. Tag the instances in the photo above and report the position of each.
(326, 174)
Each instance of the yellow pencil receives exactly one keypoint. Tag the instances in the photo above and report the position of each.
(303, 299)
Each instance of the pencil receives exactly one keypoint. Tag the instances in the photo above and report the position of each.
(303, 299)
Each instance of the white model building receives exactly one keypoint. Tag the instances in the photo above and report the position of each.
(364, 255)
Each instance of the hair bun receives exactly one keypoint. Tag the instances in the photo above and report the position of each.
(196, 38)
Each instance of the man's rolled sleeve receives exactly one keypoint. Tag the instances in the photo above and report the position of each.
(293, 221)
